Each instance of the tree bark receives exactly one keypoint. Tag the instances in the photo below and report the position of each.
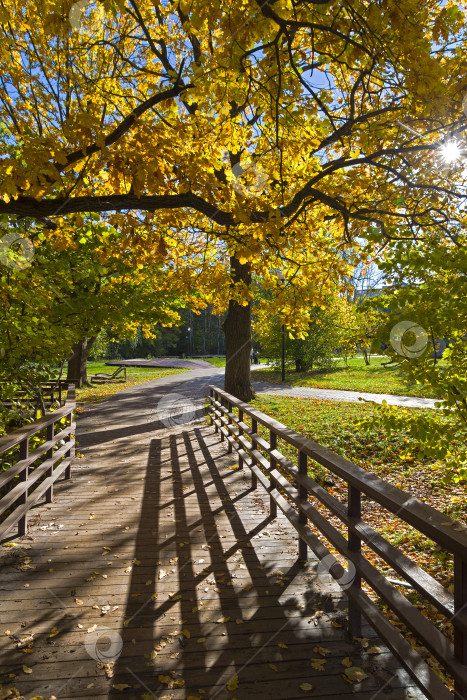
(237, 330)
(365, 355)
(77, 364)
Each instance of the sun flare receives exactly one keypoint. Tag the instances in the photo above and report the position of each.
(450, 152)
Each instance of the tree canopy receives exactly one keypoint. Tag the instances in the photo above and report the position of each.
(244, 136)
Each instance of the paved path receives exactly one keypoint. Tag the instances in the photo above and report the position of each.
(306, 392)
(163, 362)
(159, 540)
(262, 387)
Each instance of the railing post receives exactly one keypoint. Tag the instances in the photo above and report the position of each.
(254, 429)
(272, 462)
(303, 496)
(229, 409)
(210, 408)
(355, 545)
(23, 454)
(214, 396)
(460, 603)
(220, 419)
(240, 432)
(68, 452)
(49, 494)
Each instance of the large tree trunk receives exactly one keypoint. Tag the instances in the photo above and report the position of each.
(237, 330)
(77, 364)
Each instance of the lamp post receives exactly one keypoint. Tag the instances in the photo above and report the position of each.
(281, 278)
(188, 339)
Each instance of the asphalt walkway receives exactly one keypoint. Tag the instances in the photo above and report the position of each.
(306, 392)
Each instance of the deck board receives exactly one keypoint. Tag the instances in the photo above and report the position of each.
(157, 522)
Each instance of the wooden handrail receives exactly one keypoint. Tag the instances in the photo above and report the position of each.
(289, 486)
(36, 479)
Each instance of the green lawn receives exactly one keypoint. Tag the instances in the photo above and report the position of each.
(135, 375)
(216, 361)
(393, 458)
(356, 377)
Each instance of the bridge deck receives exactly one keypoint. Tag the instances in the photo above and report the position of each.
(204, 590)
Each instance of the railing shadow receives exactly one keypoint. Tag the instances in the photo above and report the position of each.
(191, 626)
(174, 614)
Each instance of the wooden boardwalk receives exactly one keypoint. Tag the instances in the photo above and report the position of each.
(158, 573)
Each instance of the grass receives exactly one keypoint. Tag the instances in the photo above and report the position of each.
(216, 361)
(392, 458)
(356, 377)
(135, 375)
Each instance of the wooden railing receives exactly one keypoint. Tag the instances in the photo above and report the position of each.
(289, 487)
(33, 474)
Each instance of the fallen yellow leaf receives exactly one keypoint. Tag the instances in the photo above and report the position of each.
(233, 683)
(355, 674)
(306, 687)
(321, 650)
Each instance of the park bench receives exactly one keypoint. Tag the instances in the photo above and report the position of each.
(103, 377)
(51, 392)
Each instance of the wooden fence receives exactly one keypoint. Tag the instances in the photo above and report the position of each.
(289, 487)
(32, 474)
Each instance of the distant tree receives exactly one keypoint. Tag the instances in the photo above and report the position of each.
(427, 303)
(55, 303)
(327, 332)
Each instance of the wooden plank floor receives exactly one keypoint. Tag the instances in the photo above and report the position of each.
(157, 565)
